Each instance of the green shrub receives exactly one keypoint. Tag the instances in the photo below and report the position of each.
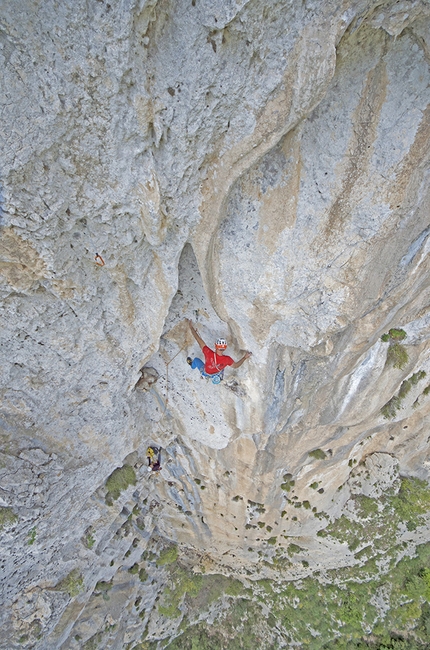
(259, 507)
(412, 501)
(405, 388)
(168, 556)
(397, 356)
(272, 541)
(185, 582)
(426, 390)
(88, 539)
(7, 517)
(389, 410)
(417, 376)
(32, 536)
(287, 485)
(293, 548)
(319, 454)
(397, 334)
(134, 569)
(73, 583)
(366, 506)
(143, 576)
(385, 338)
(120, 479)
(102, 587)
(314, 485)
(306, 505)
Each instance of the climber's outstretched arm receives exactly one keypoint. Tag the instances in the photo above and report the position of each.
(196, 335)
(237, 364)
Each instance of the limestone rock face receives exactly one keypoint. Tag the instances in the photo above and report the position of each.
(261, 169)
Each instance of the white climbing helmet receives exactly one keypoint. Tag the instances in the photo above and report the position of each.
(220, 344)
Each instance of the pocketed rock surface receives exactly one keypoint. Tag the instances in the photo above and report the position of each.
(259, 168)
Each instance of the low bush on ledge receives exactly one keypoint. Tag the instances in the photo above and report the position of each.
(119, 480)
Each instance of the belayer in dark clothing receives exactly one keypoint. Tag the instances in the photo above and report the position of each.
(154, 459)
(215, 361)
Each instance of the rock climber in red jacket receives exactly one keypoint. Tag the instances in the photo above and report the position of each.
(215, 361)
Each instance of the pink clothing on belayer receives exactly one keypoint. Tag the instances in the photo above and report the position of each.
(214, 362)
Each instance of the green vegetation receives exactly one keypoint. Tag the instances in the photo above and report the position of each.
(185, 582)
(339, 614)
(365, 506)
(119, 480)
(143, 576)
(319, 454)
(389, 410)
(168, 556)
(259, 507)
(102, 585)
(88, 539)
(288, 482)
(73, 583)
(134, 569)
(314, 485)
(394, 335)
(7, 517)
(397, 334)
(194, 591)
(404, 388)
(397, 356)
(293, 548)
(315, 616)
(417, 376)
(32, 536)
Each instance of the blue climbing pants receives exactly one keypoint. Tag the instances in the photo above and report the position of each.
(198, 363)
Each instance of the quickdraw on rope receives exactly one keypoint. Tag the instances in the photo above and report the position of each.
(99, 260)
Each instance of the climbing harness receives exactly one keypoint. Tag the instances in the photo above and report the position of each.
(216, 379)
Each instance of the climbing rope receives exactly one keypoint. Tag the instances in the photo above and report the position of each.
(167, 373)
(164, 402)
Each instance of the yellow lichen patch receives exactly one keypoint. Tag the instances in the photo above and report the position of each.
(20, 263)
